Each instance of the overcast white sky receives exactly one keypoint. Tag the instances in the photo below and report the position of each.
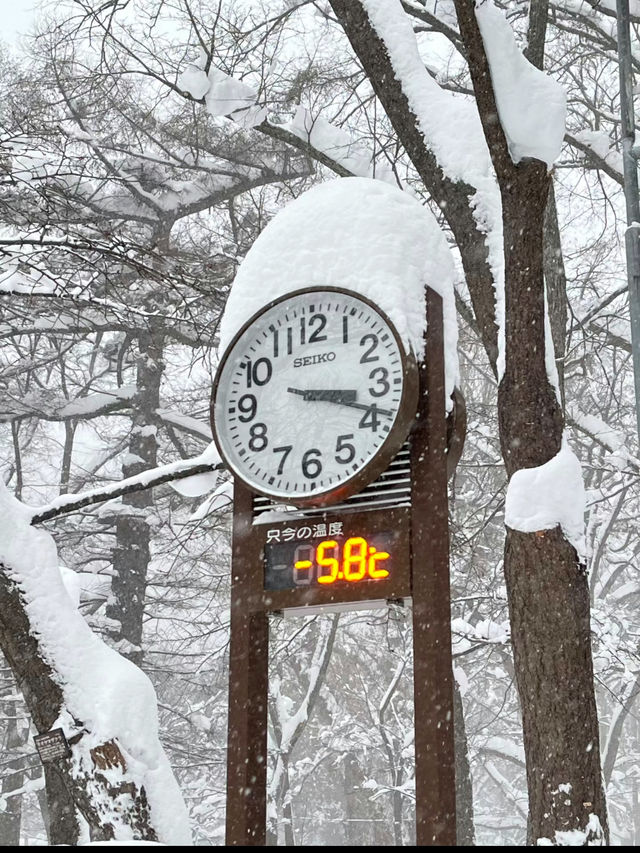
(15, 18)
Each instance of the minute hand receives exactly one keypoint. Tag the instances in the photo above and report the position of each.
(342, 398)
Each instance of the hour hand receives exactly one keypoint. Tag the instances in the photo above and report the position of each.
(328, 396)
(343, 398)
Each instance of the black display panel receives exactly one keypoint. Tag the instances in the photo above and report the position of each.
(337, 558)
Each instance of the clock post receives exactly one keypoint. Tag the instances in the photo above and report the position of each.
(430, 593)
(385, 537)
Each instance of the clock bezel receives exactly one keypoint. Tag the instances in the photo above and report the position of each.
(379, 462)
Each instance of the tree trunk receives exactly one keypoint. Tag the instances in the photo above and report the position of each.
(62, 823)
(547, 587)
(531, 428)
(12, 779)
(465, 831)
(554, 673)
(131, 554)
(529, 414)
(96, 779)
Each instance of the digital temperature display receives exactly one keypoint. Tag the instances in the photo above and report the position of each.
(350, 560)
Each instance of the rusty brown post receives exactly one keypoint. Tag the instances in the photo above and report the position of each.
(248, 687)
(433, 671)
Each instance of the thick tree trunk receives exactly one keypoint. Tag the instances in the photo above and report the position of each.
(531, 427)
(529, 413)
(95, 779)
(62, 823)
(551, 646)
(547, 587)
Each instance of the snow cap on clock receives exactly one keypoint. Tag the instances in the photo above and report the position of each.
(359, 234)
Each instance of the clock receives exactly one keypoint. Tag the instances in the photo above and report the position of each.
(313, 397)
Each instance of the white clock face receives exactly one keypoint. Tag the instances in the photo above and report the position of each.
(309, 394)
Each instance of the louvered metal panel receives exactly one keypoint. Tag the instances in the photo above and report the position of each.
(391, 489)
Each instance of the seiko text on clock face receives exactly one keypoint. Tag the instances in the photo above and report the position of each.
(310, 392)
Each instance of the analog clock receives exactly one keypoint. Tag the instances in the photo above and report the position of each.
(313, 397)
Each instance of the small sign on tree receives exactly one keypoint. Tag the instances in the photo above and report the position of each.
(52, 746)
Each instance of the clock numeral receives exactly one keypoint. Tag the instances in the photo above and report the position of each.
(370, 418)
(285, 450)
(345, 330)
(383, 386)
(248, 405)
(367, 357)
(258, 437)
(343, 445)
(311, 465)
(258, 372)
(275, 343)
(316, 335)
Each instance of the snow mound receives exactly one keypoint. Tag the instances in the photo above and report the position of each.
(362, 235)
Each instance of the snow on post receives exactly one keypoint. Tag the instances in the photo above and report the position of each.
(362, 235)
(106, 698)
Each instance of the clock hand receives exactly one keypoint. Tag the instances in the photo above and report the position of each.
(343, 398)
(331, 396)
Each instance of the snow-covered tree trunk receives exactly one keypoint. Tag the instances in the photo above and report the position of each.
(96, 793)
(12, 778)
(547, 585)
(117, 774)
(551, 643)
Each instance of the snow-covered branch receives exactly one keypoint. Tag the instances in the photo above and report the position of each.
(38, 404)
(596, 145)
(611, 440)
(205, 463)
